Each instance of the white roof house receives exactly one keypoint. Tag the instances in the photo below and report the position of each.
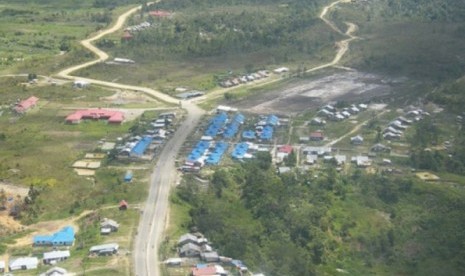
(56, 271)
(56, 256)
(23, 263)
(2, 266)
(103, 248)
(281, 70)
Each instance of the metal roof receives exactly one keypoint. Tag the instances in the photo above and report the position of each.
(56, 254)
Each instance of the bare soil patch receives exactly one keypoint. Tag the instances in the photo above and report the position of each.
(305, 94)
(126, 96)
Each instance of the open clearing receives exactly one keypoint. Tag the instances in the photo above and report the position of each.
(306, 94)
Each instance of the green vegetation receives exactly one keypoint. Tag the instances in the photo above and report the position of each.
(295, 224)
(34, 33)
(200, 41)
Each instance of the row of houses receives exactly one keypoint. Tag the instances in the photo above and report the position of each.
(230, 82)
(137, 146)
(332, 113)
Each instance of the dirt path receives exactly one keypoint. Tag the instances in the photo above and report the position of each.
(342, 48)
(355, 129)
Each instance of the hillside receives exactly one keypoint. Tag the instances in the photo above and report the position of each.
(295, 224)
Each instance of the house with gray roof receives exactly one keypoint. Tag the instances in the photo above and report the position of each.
(190, 250)
(56, 256)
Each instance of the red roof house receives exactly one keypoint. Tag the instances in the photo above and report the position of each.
(23, 106)
(123, 205)
(208, 271)
(127, 36)
(159, 13)
(285, 149)
(317, 136)
(113, 117)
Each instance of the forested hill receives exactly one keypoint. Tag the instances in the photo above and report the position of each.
(440, 10)
(361, 224)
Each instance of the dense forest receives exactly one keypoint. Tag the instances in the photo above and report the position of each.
(312, 223)
(218, 28)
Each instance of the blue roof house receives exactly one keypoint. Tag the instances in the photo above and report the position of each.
(63, 237)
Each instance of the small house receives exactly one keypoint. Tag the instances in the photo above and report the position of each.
(173, 262)
(380, 148)
(2, 266)
(281, 70)
(188, 238)
(80, 84)
(362, 161)
(304, 139)
(127, 36)
(209, 257)
(123, 205)
(104, 249)
(55, 271)
(287, 149)
(317, 136)
(190, 250)
(23, 263)
(208, 271)
(107, 226)
(55, 256)
(128, 176)
(356, 140)
(318, 122)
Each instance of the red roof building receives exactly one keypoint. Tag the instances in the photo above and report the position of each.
(123, 205)
(127, 36)
(285, 149)
(208, 271)
(160, 13)
(113, 117)
(23, 106)
(317, 136)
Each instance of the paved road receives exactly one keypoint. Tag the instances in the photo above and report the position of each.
(152, 224)
(164, 175)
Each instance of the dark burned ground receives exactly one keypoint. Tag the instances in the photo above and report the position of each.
(303, 94)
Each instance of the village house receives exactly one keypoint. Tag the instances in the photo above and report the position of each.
(104, 249)
(190, 250)
(188, 238)
(317, 136)
(64, 237)
(123, 205)
(25, 105)
(2, 266)
(23, 263)
(380, 148)
(112, 116)
(318, 122)
(208, 271)
(56, 271)
(107, 226)
(55, 256)
(356, 140)
(209, 257)
(361, 161)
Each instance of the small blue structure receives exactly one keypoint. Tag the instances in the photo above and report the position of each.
(64, 237)
(272, 120)
(267, 133)
(128, 176)
(141, 146)
(240, 150)
(198, 151)
(215, 156)
(248, 135)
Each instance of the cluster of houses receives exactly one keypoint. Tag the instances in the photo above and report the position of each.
(234, 81)
(196, 247)
(138, 146)
(396, 127)
(138, 27)
(225, 126)
(313, 154)
(332, 113)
